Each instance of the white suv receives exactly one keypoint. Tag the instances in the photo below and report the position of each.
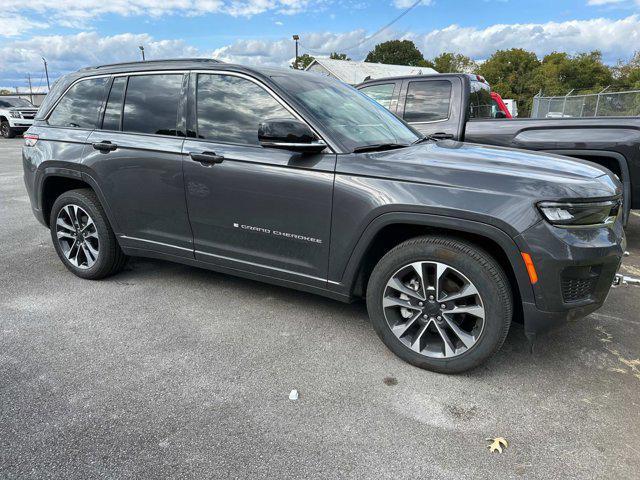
(16, 115)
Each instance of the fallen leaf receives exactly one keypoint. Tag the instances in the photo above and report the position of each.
(496, 444)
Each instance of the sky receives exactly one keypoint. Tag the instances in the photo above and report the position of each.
(72, 34)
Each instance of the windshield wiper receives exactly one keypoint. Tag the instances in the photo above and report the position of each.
(378, 147)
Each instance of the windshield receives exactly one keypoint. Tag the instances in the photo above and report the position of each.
(14, 102)
(354, 119)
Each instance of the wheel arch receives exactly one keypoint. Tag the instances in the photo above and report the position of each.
(391, 229)
(53, 181)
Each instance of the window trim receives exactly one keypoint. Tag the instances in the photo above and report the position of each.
(193, 95)
(74, 83)
(427, 122)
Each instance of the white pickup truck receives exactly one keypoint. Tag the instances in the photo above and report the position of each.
(16, 115)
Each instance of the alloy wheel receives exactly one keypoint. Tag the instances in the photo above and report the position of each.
(77, 236)
(433, 309)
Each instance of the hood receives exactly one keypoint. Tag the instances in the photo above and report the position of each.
(471, 166)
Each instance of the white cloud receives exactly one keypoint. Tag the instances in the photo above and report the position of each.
(615, 38)
(16, 25)
(75, 13)
(65, 53)
(409, 3)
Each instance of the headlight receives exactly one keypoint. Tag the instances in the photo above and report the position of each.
(14, 114)
(580, 214)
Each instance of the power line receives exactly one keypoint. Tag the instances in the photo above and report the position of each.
(366, 39)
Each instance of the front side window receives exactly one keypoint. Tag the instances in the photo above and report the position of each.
(348, 115)
(151, 104)
(383, 94)
(80, 106)
(427, 101)
(113, 110)
(229, 109)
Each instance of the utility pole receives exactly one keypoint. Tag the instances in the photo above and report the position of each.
(46, 71)
(295, 63)
(30, 88)
(141, 47)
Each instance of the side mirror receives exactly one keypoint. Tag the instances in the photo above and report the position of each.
(289, 134)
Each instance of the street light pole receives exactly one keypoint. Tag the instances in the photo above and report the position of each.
(296, 38)
(141, 47)
(46, 71)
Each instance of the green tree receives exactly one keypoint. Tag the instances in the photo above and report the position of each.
(627, 74)
(4, 91)
(397, 52)
(512, 73)
(454, 63)
(302, 62)
(339, 56)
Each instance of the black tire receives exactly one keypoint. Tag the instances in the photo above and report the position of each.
(474, 263)
(110, 259)
(6, 130)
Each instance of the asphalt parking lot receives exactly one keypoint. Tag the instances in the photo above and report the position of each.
(174, 372)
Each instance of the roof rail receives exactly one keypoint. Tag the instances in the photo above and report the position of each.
(170, 60)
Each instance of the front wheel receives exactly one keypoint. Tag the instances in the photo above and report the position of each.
(440, 303)
(5, 130)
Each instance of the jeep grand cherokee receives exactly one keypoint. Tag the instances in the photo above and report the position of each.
(299, 180)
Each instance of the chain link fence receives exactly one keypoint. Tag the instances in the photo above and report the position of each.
(603, 104)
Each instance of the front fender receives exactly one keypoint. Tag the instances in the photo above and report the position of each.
(509, 246)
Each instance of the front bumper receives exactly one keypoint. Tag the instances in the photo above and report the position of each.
(576, 268)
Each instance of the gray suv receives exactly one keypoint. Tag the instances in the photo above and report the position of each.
(299, 180)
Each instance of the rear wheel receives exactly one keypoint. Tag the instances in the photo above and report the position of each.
(82, 236)
(5, 130)
(440, 303)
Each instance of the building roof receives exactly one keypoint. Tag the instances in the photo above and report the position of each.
(357, 72)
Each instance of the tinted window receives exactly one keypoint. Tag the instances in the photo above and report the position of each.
(15, 102)
(113, 111)
(230, 109)
(151, 104)
(80, 106)
(380, 93)
(427, 101)
(481, 105)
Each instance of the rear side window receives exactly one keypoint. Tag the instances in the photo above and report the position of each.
(113, 111)
(151, 104)
(380, 93)
(80, 106)
(481, 105)
(230, 109)
(427, 101)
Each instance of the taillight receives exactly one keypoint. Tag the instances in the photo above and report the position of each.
(30, 139)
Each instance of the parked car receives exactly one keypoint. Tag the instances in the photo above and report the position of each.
(299, 180)
(458, 107)
(16, 115)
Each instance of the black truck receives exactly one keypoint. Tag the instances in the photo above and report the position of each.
(299, 180)
(460, 107)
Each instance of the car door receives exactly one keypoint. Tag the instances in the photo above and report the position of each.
(257, 209)
(433, 106)
(136, 155)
